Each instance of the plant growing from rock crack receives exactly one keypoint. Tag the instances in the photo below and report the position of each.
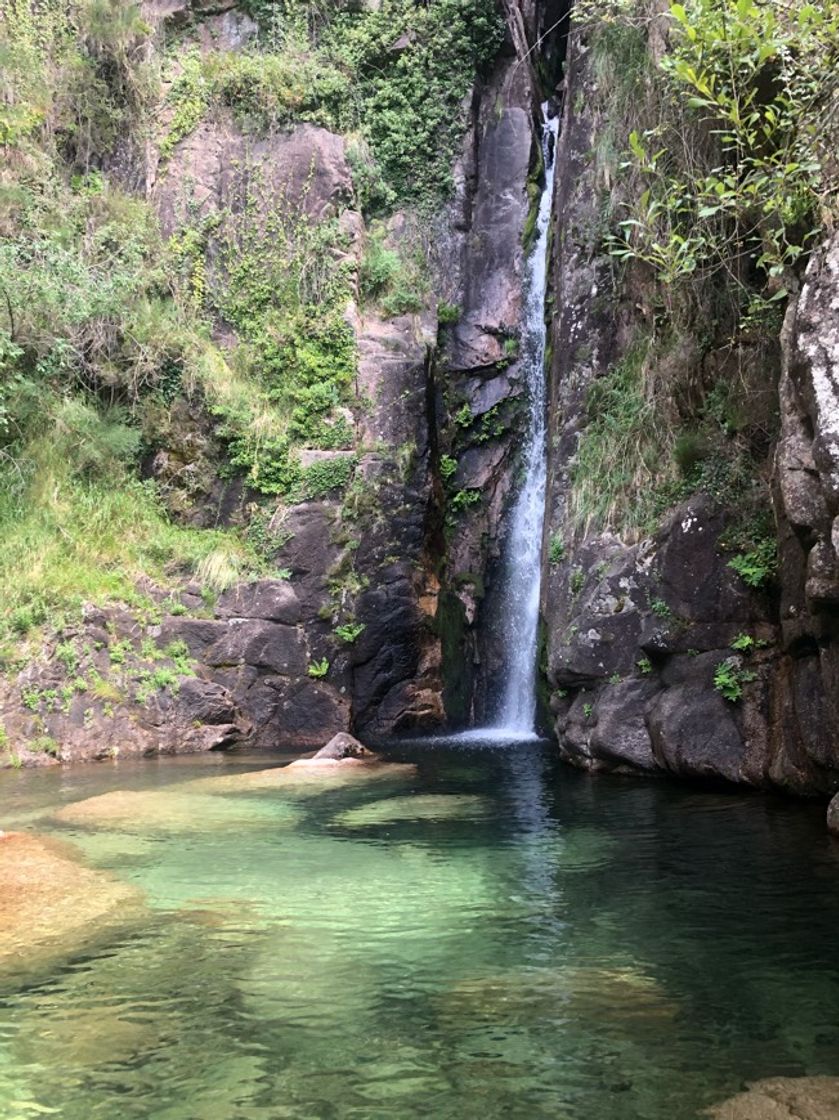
(556, 549)
(729, 678)
(757, 566)
(318, 669)
(743, 643)
(349, 631)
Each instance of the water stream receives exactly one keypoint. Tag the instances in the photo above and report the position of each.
(523, 555)
(483, 938)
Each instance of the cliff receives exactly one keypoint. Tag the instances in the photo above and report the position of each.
(256, 470)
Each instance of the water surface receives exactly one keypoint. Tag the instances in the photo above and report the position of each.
(495, 936)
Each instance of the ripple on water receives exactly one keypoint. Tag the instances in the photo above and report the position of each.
(479, 937)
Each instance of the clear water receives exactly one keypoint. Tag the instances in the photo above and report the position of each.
(523, 550)
(491, 937)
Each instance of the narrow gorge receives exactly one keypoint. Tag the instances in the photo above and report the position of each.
(419, 497)
(375, 435)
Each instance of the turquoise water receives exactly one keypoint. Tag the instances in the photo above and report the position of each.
(490, 936)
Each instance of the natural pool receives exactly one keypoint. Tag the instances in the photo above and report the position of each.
(490, 936)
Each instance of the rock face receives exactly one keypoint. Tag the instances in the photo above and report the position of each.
(807, 506)
(660, 658)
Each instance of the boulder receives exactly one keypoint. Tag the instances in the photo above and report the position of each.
(342, 746)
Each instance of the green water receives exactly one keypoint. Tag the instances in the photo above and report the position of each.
(493, 936)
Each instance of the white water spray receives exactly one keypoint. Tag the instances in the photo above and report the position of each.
(519, 621)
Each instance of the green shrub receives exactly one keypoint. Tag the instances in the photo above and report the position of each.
(748, 74)
(660, 608)
(463, 499)
(448, 313)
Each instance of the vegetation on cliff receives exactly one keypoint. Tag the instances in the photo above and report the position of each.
(106, 324)
(717, 163)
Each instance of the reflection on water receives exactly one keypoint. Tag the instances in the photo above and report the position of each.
(485, 936)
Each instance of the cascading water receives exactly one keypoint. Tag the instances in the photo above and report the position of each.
(515, 717)
(523, 560)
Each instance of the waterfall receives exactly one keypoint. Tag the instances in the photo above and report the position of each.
(519, 621)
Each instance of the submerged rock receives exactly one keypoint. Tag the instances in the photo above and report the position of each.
(427, 807)
(783, 1098)
(51, 904)
(306, 774)
(172, 811)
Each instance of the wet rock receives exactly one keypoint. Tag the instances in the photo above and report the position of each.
(620, 735)
(288, 710)
(492, 299)
(783, 1098)
(343, 745)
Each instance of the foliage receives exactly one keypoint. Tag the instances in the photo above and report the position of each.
(743, 643)
(556, 549)
(729, 678)
(644, 665)
(348, 631)
(448, 313)
(394, 76)
(65, 539)
(412, 66)
(756, 567)
(620, 452)
(393, 278)
(463, 499)
(287, 381)
(744, 189)
(448, 466)
(318, 669)
(660, 608)
(324, 476)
